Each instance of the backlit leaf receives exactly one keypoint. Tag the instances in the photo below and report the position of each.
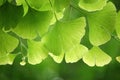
(118, 59)
(7, 43)
(63, 35)
(7, 59)
(57, 58)
(101, 24)
(35, 23)
(36, 52)
(75, 54)
(96, 57)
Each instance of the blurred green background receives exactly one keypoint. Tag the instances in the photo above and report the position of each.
(49, 70)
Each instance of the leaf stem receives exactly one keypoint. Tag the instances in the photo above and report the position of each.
(53, 10)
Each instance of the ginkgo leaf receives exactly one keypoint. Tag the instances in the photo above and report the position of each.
(40, 5)
(36, 52)
(7, 43)
(101, 24)
(32, 24)
(92, 5)
(24, 4)
(75, 54)
(7, 59)
(63, 35)
(96, 57)
(118, 24)
(10, 15)
(118, 59)
(57, 59)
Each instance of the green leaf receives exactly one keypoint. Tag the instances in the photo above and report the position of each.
(58, 58)
(75, 54)
(10, 15)
(7, 59)
(32, 24)
(118, 24)
(118, 59)
(63, 35)
(101, 24)
(92, 5)
(96, 57)
(40, 5)
(24, 4)
(36, 52)
(7, 43)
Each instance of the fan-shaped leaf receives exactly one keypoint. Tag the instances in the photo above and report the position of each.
(36, 52)
(35, 23)
(101, 24)
(75, 54)
(96, 57)
(63, 35)
(7, 59)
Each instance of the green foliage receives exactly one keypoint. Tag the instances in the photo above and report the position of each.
(37, 29)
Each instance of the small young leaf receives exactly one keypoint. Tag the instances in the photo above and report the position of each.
(75, 54)
(63, 35)
(36, 52)
(92, 5)
(101, 24)
(96, 57)
(118, 24)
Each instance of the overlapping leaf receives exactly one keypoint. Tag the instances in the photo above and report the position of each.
(101, 24)
(35, 23)
(36, 52)
(7, 43)
(64, 35)
(118, 24)
(96, 57)
(92, 5)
